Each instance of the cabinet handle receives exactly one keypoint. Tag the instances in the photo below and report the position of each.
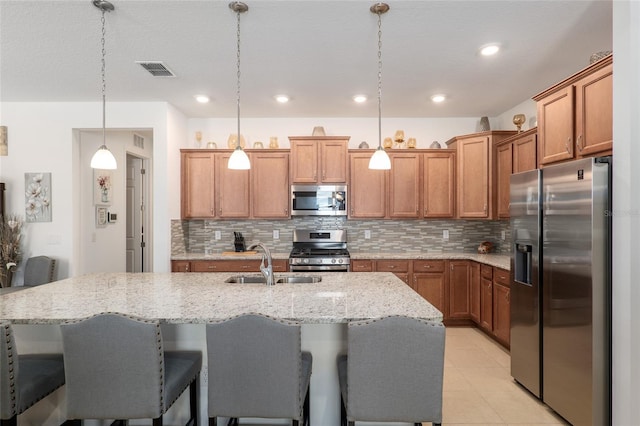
(211, 267)
(508, 296)
(245, 266)
(351, 210)
(426, 211)
(427, 266)
(566, 145)
(579, 143)
(451, 266)
(324, 174)
(186, 268)
(286, 211)
(392, 266)
(485, 208)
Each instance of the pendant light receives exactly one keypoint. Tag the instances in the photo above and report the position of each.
(103, 158)
(380, 159)
(239, 159)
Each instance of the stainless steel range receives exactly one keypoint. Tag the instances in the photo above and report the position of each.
(319, 251)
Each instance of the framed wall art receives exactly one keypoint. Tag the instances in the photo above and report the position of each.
(37, 197)
(102, 187)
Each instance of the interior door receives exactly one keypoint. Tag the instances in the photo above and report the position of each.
(135, 211)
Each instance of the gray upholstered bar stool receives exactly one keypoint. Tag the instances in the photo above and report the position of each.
(116, 368)
(39, 270)
(24, 379)
(393, 371)
(257, 369)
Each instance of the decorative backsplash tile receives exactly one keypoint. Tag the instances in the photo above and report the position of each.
(403, 236)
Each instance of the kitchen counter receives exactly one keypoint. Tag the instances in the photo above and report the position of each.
(492, 259)
(195, 298)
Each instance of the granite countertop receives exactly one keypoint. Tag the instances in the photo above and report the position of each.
(498, 260)
(190, 297)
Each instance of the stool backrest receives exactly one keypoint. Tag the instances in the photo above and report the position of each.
(39, 270)
(395, 369)
(114, 367)
(255, 368)
(8, 371)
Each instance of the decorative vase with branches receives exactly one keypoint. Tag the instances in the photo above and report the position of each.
(10, 253)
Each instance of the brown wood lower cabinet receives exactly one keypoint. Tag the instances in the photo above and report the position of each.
(474, 292)
(244, 265)
(502, 306)
(486, 298)
(400, 267)
(429, 281)
(459, 290)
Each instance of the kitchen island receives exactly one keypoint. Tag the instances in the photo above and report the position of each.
(184, 302)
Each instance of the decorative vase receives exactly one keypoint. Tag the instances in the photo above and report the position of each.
(105, 195)
(6, 277)
(273, 142)
(484, 124)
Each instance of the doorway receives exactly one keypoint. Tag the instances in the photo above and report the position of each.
(137, 217)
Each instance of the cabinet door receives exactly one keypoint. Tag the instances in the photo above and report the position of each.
(594, 113)
(232, 187)
(367, 192)
(459, 289)
(270, 185)
(502, 313)
(486, 303)
(197, 182)
(333, 161)
(555, 127)
(430, 285)
(504, 165)
(525, 150)
(439, 171)
(304, 161)
(473, 189)
(404, 185)
(474, 292)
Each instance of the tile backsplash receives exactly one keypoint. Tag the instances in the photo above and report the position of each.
(390, 236)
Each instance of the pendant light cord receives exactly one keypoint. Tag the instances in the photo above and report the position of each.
(379, 80)
(238, 75)
(104, 83)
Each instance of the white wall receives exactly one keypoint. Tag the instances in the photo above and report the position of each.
(42, 139)
(626, 209)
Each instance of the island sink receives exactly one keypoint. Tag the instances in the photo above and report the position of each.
(256, 279)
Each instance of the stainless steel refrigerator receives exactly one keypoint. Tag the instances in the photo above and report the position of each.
(561, 292)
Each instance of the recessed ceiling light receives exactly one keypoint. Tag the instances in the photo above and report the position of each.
(438, 98)
(360, 98)
(283, 99)
(203, 99)
(489, 49)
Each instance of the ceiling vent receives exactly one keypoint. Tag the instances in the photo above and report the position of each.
(156, 68)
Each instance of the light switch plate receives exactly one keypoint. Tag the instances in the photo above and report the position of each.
(276, 234)
(217, 235)
(367, 234)
(445, 234)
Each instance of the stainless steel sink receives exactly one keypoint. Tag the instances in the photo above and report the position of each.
(246, 279)
(307, 279)
(256, 279)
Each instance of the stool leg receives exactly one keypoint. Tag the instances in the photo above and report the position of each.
(193, 402)
(13, 421)
(306, 409)
(213, 421)
(157, 421)
(343, 412)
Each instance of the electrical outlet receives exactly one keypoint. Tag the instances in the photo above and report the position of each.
(367, 234)
(276, 234)
(503, 234)
(217, 235)
(445, 234)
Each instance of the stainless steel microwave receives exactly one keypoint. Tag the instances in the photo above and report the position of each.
(318, 200)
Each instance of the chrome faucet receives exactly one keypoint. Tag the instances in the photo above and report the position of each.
(267, 270)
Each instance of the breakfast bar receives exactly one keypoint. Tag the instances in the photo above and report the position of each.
(184, 302)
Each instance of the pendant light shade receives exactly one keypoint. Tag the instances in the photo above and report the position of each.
(380, 159)
(103, 158)
(239, 159)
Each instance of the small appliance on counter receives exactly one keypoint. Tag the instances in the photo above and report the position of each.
(238, 242)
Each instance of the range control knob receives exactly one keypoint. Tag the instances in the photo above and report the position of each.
(340, 260)
(306, 260)
(333, 261)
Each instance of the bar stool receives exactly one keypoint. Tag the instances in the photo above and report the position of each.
(257, 369)
(393, 371)
(116, 368)
(24, 379)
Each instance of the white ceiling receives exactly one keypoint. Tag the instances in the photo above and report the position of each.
(320, 53)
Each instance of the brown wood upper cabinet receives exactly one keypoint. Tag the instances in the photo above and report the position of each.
(476, 180)
(319, 159)
(575, 117)
(513, 155)
(421, 183)
(210, 190)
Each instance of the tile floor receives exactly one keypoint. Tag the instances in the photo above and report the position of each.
(478, 388)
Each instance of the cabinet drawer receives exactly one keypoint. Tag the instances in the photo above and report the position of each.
(180, 266)
(501, 276)
(280, 265)
(361, 266)
(392, 265)
(428, 266)
(486, 271)
(225, 266)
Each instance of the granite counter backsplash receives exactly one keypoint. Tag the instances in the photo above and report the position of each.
(389, 236)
